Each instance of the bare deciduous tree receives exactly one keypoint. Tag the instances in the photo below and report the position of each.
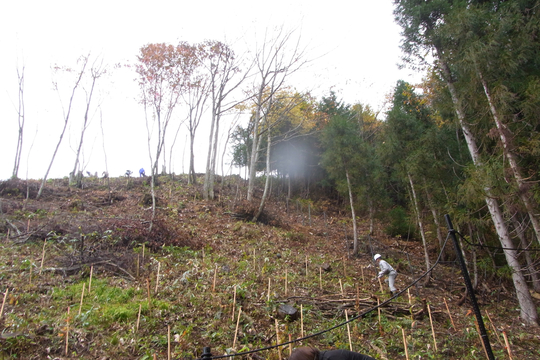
(96, 71)
(274, 62)
(20, 119)
(222, 66)
(83, 61)
(162, 76)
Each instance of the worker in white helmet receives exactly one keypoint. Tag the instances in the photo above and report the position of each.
(386, 269)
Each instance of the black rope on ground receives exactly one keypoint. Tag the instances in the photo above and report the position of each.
(365, 312)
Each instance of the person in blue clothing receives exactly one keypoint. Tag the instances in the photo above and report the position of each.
(386, 269)
(309, 353)
(141, 173)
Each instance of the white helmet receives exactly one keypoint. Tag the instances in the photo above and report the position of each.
(376, 257)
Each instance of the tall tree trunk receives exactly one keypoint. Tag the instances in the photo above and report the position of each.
(371, 216)
(523, 192)
(213, 161)
(254, 153)
(420, 226)
(66, 120)
(435, 216)
(267, 182)
(192, 179)
(289, 188)
(83, 131)
(473, 250)
(207, 194)
(520, 230)
(527, 307)
(353, 214)
(20, 117)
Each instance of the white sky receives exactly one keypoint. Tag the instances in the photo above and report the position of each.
(355, 46)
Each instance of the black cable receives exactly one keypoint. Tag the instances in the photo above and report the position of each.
(365, 312)
(493, 247)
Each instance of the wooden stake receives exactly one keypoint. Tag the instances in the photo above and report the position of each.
(90, 282)
(233, 303)
(379, 310)
(168, 342)
(380, 284)
(449, 314)
(138, 318)
(268, 296)
(290, 344)
(507, 345)
(432, 329)
(215, 276)
(348, 329)
(277, 339)
(3, 303)
(236, 330)
(28, 226)
(344, 268)
(357, 297)
(67, 332)
(143, 253)
(494, 329)
(254, 261)
(320, 278)
(42, 256)
(148, 291)
(301, 321)
(409, 293)
(157, 277)
(82, 297)
(138, 264)
(480, 337)
(405, 344)
(286, 281)
(341, 287)
(363, 281)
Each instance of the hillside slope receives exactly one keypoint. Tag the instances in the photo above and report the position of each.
(133, 293)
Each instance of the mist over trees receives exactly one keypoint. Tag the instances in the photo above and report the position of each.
(464, 142)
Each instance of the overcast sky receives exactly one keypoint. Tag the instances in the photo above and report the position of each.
(354, 47)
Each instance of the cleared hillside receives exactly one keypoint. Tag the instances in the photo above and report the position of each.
(134, 293)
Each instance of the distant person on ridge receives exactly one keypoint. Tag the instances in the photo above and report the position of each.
(386, 269)
(309, 353)
(141, 173)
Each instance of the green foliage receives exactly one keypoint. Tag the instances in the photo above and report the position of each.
(399, 223)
